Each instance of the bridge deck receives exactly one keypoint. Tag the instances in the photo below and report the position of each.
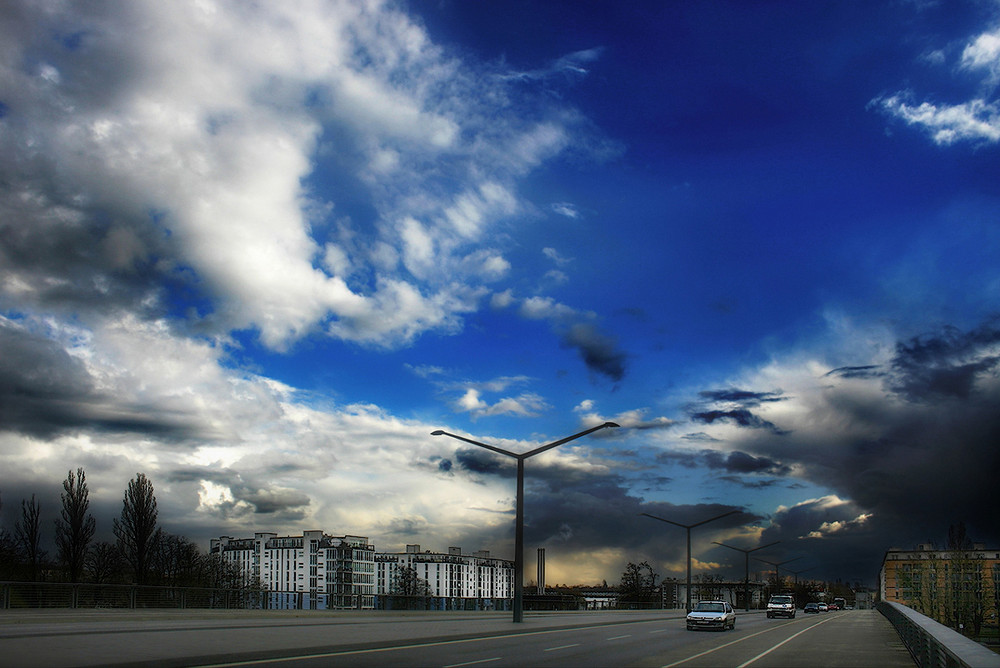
(652, 639)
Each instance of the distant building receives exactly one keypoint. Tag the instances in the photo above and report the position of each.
(474, 581)
(311, 571)
(674, 592)
(960, 588)
(600, 598)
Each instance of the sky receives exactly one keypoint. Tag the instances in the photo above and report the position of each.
(260, 251)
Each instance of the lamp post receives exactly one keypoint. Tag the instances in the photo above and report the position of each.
(804, 570)
(777, 571)
(746, 576)
(519, 523)
(689, 527)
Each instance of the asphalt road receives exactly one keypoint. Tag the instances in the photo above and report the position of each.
(658, 638)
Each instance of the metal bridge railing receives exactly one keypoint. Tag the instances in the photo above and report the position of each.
(934, 645)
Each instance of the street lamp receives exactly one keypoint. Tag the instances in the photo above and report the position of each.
(777, 571)
(689, 527)
(746, 555)
(804, 570)
(519, 525)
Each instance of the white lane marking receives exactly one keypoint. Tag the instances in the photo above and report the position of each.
(733, 642)
(375, 650)
(789, 638)
(555, 649)
(628, 635)
(472, 663)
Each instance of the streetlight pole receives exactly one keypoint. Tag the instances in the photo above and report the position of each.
(519, 522)
(689, 527)
(777, 571)
(796, 573)
(746, 576)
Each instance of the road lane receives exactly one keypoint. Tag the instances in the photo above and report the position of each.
(645, 640)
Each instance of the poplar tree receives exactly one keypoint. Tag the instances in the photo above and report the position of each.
(136, 531)
(75, 528)
(29, 535)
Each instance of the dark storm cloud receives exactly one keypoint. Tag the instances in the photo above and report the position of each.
(485, 462)
(735, 462)
(916, 449)
(946, 363)
(741, 462)
(79, 258)
(740, 417)
(570, 510)
(743, 397)
(733, 405)
(750, 484)
(45, 391)
(265, 498)
(868, 371)
(598, 351)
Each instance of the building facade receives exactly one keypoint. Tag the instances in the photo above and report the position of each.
(311, 571)
(454, 580)
(959, 588)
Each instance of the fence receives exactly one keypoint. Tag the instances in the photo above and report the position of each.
(81, 595)
(14, 595)
(934, 645)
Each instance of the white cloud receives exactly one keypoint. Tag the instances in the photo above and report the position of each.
(210, 170)
(566, 209)
(556, 257)
(947, 124)
(984, 53)
(977, 119)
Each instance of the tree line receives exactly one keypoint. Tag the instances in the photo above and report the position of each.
(142, 552)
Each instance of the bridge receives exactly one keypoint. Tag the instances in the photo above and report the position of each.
(217, 638)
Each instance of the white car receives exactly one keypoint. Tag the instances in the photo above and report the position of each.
(781, 605)
(711, 615)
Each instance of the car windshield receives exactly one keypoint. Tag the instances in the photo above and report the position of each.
(781, 599)
(709, 607)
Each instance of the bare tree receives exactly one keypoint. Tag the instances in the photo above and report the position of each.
(104, 562)
(28, 534)
(75, 528)
(136, 531)
(407, 585)
(638, 583)
(8, 553)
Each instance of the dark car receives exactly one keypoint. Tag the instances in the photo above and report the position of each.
(812, 607)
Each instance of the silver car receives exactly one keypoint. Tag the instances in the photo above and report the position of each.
(711, 615)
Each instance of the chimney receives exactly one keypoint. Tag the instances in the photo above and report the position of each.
(541, 571)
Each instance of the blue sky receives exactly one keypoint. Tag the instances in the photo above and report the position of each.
(259, 253)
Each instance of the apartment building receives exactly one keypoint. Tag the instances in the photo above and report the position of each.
(311, 571)
(955, 587)
(455, 580)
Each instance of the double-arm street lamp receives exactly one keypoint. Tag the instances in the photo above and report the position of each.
(777, 566)
(519, 525)
(746, 576)
(689, 527)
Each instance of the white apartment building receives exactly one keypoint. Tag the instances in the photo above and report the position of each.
(475, 581)
(311, 571)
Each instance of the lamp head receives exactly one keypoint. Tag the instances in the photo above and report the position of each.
(437, 432)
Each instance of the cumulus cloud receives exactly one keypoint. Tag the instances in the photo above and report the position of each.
(135, 171)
